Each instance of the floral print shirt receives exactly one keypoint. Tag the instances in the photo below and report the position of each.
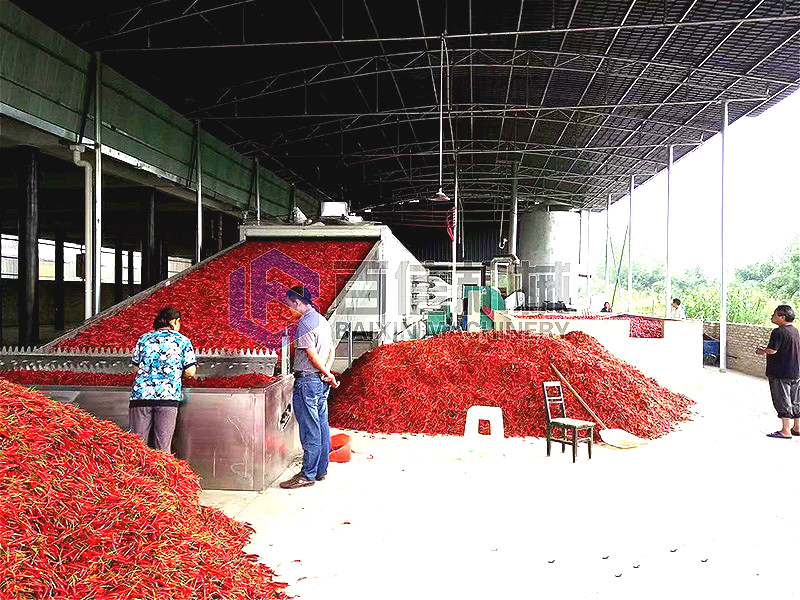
(161, 357)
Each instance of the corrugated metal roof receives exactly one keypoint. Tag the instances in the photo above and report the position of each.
(580, 93)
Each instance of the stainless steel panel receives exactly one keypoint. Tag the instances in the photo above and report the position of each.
(233, 439)
(220, 433)
(281, 435)
(109, 403)
(316, 231)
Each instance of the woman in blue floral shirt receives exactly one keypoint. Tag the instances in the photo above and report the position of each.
(162, 357)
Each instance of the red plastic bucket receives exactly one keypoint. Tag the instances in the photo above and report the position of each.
(340, 448)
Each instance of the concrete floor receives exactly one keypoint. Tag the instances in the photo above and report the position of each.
(710, 511)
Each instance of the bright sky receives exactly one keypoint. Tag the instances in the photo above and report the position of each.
(762, 198)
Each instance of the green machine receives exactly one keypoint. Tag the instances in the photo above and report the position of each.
(491, 300)
(438, 321)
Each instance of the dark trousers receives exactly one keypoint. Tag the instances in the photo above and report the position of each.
(785, 397)
(160, 418)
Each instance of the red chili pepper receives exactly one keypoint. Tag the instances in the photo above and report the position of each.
(426, 386)
(30, 377)
(202, 296)
(88, 511)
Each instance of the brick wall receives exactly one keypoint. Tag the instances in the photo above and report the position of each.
(742, 341)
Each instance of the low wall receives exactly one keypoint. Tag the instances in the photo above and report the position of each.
(675, 361)
(742, 341)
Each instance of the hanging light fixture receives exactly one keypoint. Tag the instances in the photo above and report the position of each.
(440, 196)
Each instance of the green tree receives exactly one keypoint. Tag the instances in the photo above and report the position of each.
(747, 303)
(784, 281)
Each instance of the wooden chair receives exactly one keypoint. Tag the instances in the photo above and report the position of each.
(557, 421)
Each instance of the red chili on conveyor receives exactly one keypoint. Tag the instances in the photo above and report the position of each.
(31, 377)
(202, 296)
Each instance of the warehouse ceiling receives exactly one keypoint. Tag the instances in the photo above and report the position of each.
(343, 97)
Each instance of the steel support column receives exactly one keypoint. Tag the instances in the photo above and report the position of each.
(589, 258)
(513, 217)
(198, 247)
(608, 233)
(630, 243)
(97, 234)
(454, 284)
(163, 260)
(131, 284)
(723, 292)
(257, 181)
(28, 253)
(58, 286)
(2, 340)
(149, 264)
(220, 242)
(668, 299)
(118, 289)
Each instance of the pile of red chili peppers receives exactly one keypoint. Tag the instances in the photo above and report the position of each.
(55, 377)
(89, 512)
(641, 327)
(203, 296)
(426, 386)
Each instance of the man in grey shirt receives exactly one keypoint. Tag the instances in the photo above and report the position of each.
(313, 357)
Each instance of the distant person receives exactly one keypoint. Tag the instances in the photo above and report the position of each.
(162, 357)
(313, 357)
(783, 371)
(677, 312)
(606, 307)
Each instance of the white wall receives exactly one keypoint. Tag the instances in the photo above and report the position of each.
(675, 361)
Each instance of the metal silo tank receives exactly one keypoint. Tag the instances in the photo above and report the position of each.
(548, 251)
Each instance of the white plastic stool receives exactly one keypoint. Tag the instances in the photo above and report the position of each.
(473, 439)
(476, 414)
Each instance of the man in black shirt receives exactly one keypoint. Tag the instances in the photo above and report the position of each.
(783, 371)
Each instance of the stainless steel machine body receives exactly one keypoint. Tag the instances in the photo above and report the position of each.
(233, 439)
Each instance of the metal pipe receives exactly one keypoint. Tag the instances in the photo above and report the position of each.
(58, 288)
(608, 232)
(454, 283)
(543, 60)
(458, 36)
(258, 190)
(198, 246)
(441, 115)
(349, 344)
(87, 227)
(513, 218)
(118, 269)
(98, 184)
(668, 299)
(589, 258)
(723, 300)
(131, 287)
(630, 244)
(580, 252)
(430, 111)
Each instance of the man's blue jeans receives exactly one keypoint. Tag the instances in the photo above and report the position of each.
(310, 402)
